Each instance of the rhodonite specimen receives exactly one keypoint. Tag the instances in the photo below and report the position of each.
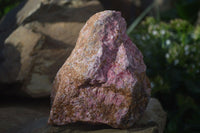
(104, 79)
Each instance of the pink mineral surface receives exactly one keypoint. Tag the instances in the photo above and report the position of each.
(104, 79)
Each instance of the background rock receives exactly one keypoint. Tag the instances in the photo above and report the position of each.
(18, 54)
(35, 51)
(154, 114)
(7, 25)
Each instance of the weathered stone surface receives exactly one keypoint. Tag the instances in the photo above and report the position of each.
(148, 124)
(15, 118)
(104, 79)
(29, 62)
(36, 50)
(18, 53)
(154, 113)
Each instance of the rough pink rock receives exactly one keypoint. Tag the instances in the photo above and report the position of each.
(104, 79)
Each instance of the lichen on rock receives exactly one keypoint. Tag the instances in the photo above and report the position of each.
(104, 79)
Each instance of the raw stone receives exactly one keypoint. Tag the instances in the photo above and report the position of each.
(33, 119)
(104, 79)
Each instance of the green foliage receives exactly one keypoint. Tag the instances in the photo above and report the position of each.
(172, 53)
(184, 9)
(7, 5)
(188, 9)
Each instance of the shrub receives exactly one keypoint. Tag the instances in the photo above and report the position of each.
(7, 5)
(172, 55)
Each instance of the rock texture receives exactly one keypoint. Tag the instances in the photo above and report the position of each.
(47, 34)
(104, 79)
(27, 120)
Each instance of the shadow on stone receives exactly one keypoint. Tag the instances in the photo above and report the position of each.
(62, 14)
(10, 66)
(7, 25)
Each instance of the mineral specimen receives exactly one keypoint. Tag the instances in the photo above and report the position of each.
(103, 80)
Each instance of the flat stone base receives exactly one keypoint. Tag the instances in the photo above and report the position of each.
(40, 126)
(30, 117)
